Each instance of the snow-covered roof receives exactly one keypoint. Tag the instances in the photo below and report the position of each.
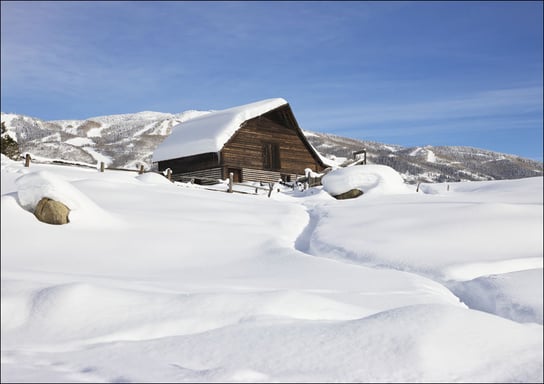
(208, 133)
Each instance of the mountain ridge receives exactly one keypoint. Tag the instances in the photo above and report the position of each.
(128, 141)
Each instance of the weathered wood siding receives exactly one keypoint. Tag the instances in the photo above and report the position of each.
(245, 149)
(205, 176)
(249, 174)
(267, 148)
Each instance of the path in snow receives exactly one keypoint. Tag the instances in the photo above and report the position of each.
(501, 287)
(303, 241)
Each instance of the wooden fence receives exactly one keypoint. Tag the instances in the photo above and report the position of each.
(268, 187)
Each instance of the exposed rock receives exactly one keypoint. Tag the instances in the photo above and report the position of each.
(52, 212)
(352, 193)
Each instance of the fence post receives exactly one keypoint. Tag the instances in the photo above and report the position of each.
(231, 181)
(101, 166)
(271, 186)
(141, 169)
(27, 160)
(169, 174)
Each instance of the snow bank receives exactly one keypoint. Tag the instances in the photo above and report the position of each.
(515, 295)
(209, 132)
(153, 178)
(474, 229)
(202, 286)
(34, 186)
(371, 179)
(426, 343)
(9, 165)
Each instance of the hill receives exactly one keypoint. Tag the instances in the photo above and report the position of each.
(431, 163)
(128, 141)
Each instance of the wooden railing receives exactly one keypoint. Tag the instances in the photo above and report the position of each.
(264, 186)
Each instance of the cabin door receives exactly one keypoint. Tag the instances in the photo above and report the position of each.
(236, 174)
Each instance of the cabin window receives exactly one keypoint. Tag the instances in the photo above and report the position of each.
(271, 156)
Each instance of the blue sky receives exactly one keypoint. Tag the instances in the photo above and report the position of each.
(407, 73)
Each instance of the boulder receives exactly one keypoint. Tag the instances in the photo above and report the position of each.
(352, 193)
(52, 212)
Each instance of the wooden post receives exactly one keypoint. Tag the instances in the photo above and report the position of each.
(101, 166)
(141, 169)
(417, 189)
(363, 152)
(271, 186)
(169, 174)
(27, 160)
(231, 181)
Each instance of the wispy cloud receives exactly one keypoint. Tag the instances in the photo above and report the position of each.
(486, 104)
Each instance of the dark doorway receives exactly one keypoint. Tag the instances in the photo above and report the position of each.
(236, 174)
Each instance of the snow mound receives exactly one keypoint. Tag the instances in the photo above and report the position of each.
(9, 165)
(34, 186)
(70, 311)
(371, 178)
(153, 178)
(510, 295)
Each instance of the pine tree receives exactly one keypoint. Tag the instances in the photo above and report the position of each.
(9, 147)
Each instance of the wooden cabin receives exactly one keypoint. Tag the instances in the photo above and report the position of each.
(256, 142)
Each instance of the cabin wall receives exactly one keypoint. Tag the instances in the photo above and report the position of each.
(190, 163)
(245, 149)
(249, 174)
(205, 176)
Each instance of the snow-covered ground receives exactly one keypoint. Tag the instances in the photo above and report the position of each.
(159, 282)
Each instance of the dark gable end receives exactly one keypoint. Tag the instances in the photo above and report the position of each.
(285, 116)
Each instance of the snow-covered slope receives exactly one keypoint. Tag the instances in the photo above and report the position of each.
(159, 282)
(430, 163)
(123, 141)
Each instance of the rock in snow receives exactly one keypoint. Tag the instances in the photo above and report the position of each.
(52, 212)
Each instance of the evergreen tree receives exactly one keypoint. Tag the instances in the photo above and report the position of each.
(9, 147)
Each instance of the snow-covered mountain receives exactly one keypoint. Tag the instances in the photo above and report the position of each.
(122, 141)
(430, 163)
(128, 141)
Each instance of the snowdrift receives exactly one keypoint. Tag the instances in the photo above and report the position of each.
(370, 179)
(170, 284)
